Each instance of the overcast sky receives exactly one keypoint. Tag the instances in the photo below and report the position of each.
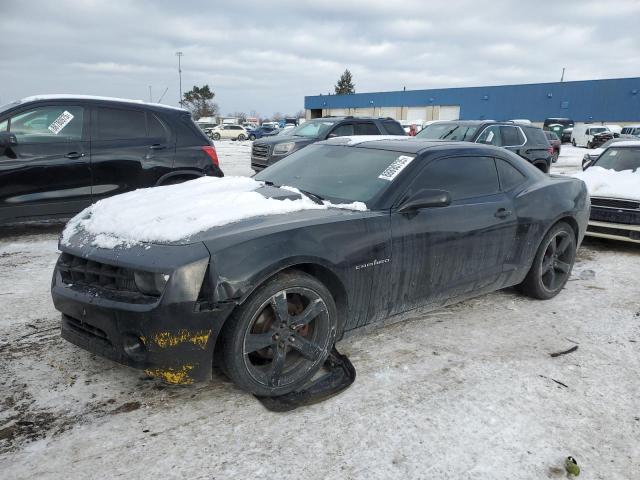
(266, 56)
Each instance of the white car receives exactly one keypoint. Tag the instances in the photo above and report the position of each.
(613, 181)
(582, 135)
(233, 132)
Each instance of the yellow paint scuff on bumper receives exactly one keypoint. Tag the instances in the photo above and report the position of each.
(174, 376)
(170, 339)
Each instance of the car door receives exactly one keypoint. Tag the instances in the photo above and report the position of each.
(128, 150)
(47, 172)
(447, 252)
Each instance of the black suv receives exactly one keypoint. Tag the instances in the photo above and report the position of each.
(267, 151)
(59, 154)
(524, 139)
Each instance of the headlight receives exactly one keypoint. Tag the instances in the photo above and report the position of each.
(151, 283)
(283, 148)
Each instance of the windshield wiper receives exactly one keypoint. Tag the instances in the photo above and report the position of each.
(315, 198)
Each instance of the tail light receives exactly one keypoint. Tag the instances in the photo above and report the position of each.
(550, 150)
(209, 150)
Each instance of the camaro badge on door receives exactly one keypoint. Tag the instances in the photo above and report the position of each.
(373, 264)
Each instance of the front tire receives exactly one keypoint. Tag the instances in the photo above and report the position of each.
(241, 137)
(552, 264)
(252, 137)
(279, 338)
(573, 142)
(216, 136)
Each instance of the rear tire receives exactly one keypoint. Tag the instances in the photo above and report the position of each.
(554, 157)
(241, 137)
(552, 264)
(280, 336)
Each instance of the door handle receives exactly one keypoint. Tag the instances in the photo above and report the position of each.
(502, 213)
(157, 146)
(74, 155)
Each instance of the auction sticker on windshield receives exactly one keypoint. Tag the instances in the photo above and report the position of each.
(60, 122)
(396, 167)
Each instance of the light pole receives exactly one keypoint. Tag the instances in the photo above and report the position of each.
(179, 55)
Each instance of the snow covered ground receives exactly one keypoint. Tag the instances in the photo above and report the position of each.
(466, 392)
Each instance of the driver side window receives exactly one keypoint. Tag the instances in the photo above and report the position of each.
(462, 177)
(491, 136)
(48, 124)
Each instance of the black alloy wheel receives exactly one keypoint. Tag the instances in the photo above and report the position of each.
(552, 264)
(281, 335)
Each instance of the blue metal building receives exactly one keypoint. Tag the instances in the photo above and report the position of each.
(610, 100)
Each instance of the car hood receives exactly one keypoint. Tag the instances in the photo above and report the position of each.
(275, 139)
(241, 215)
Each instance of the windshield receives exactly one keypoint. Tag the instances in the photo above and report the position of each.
(593, 131)
(312, 129)
(558, 121)
(620, 159)
(338, 173)
(448, 131)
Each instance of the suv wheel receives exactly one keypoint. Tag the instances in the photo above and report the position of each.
(280, 337)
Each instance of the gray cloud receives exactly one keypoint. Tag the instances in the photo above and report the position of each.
(266, 56)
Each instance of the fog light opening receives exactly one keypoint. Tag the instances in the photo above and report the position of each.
(134, 346)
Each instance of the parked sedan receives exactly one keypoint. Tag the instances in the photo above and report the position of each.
(593, 155)
(374, 229)
(263, 131)
(613, 180)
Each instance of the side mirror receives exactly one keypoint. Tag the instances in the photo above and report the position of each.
(586, 162)
(332, 135)
(426, 198)
(7, 141)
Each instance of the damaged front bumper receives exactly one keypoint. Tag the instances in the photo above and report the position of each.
(171, 337)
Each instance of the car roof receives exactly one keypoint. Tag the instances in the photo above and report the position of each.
(400, 144)
(38, 98)
(626, 143)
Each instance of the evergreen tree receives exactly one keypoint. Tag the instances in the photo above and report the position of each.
(199, 101)
(345, 85)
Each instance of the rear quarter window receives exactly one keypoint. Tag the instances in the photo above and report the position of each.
(120, 124)
(536, 136)
(393, 127)
(510, 177)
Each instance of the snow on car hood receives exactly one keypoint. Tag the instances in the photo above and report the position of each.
(176, 212)
(603, 182)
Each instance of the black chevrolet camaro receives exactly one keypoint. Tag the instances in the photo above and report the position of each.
(269, 296)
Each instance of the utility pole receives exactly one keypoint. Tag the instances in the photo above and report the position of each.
(562, 77)
(150, 95)
(179, 55)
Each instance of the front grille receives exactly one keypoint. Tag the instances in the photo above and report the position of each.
(615, 203)
(627, 217)
(260, 152)
(80, 271)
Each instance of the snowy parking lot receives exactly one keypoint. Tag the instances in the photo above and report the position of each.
(470, 391)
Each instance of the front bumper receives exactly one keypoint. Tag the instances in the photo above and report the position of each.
(172, 337)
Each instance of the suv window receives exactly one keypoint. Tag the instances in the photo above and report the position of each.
(491, 136)
(156, 129)
(462, 177)
(120, 124)
(343, 130)
(511, 136)
(393, 128)
(368, 128)
(510, 176)
(48, 124)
